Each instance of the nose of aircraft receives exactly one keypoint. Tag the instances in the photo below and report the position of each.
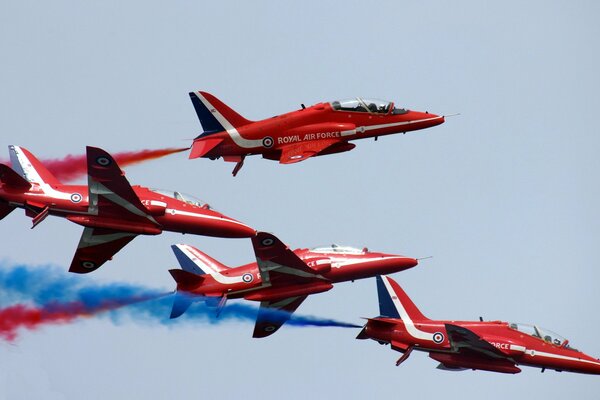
(390, 263)
(428, 119)
(220, 225)
(236, 229)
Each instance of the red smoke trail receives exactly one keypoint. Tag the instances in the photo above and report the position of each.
(72, 167)
(19, 316)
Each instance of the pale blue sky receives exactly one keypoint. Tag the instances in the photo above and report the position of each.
(505, 196)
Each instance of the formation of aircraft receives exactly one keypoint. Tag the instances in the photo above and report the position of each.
(324, 128)
(112, 211)
(280, 279)
(485, 345)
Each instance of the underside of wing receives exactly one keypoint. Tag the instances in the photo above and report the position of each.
(473, 352)
(297, 152)
(464, 339)
(110, 194)
(97, 246)
(272, 315)
(278, 265)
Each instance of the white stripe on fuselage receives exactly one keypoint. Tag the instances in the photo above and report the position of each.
(230, 129)
(390, 125)
(174, 211)
(535, 353)
(408, 323)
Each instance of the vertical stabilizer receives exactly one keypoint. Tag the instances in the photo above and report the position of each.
(394, 302)
(193, 260)
(29, 167)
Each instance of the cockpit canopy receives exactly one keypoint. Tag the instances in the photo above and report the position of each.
(187, 198)
(374, 106)
(334, 248)
(541, 333)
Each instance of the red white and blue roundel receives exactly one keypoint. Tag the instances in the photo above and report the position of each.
(247, 278)
(103, 161)
(268, 142)
(438, 337)
(76, 197)
(267, 242)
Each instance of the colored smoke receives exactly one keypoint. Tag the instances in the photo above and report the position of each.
(32, 297)
(72, 167)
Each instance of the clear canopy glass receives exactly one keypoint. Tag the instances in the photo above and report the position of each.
(541, 333)
(187, 198)
(362, 105)
(334, 248)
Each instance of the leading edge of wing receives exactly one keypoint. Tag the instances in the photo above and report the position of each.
(107, 182)
(463, 338)
(97, 246)
(272, 315)
(275, 259)
(294, 153)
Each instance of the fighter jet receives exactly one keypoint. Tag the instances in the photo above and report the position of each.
(281, 279)
(324, 128)
(458, 345)
(112, 212)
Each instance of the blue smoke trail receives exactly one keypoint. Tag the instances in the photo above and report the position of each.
(48, 287)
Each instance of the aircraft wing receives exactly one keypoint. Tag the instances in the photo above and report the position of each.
(110, 194)
(278, 265)
(272, 315)
(300, 151)
(97, 246)
(465, 339)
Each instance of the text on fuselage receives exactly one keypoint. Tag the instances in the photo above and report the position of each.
(308, 136)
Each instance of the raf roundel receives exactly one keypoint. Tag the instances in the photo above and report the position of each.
(269, 328)
(88, 264)
(267, 242)
(76, 197)
(267, 142)
(247, 278)
(103, 161)
(438, 337)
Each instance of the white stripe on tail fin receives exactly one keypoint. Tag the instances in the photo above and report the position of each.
(30, 168)
(193, 260)
(395, 303)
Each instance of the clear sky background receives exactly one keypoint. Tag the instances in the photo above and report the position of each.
(505, 197)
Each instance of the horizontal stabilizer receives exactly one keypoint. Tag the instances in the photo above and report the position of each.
(5, 209)
(184, 278)
(203, 146)
(13, 180)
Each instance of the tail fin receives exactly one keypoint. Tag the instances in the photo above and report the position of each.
(394, 302)
(215, 116)
(29, 167)
(196, 262)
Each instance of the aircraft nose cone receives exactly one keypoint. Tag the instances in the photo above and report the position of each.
(236, 229)
(394, 263)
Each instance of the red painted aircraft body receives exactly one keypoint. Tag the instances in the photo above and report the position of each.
(281, 279)
(112, 212)
(323, 128)
(491, 346)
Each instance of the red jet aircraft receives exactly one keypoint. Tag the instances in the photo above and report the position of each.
(324, 128)
(491, 346)
(112, 212)
(280, 279)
